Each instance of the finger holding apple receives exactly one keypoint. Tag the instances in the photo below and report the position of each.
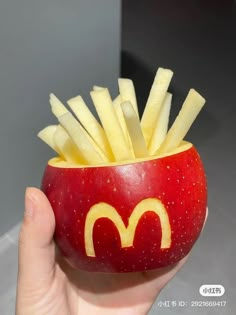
(146, 209)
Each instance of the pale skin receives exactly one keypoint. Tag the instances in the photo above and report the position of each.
(47, 285)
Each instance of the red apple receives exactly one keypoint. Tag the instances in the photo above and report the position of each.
(129, 217)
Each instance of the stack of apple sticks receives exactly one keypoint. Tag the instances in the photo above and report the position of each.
(120, 135)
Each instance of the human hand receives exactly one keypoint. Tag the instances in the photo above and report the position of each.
(48, 285)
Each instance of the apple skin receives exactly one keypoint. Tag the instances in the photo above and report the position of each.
(178, 181)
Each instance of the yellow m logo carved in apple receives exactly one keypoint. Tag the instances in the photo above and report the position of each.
(104, 210)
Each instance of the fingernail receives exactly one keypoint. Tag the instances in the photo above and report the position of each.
(30, 203)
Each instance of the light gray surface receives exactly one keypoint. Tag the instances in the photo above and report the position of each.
(46, 46)
(8, 270)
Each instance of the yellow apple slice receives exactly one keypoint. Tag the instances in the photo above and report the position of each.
(135, 132)
(120, 116)
(90, 123)
(85, 144)
(106, 112)
(87, 147)
(127, 92)
(161, 128)
(98, 88)
(188, 113)
(67, 148)
(58, 108)
(47, 136)
(154, 102)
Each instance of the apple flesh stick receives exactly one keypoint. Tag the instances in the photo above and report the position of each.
(155, 101)
(66, 146)
(116, 104)
(134, 129)
(90, 124)
(104, 106)
(47, 134)
(188, 113)
(120, 116)
(88, 149)
(161, 127)
(127, 93)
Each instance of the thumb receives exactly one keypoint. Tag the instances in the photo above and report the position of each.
(36, 246)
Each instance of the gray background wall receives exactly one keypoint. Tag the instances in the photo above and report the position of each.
(45, 46)
(197, 40)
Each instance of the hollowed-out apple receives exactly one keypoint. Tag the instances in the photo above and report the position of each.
(128, 194)
(131, 216)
